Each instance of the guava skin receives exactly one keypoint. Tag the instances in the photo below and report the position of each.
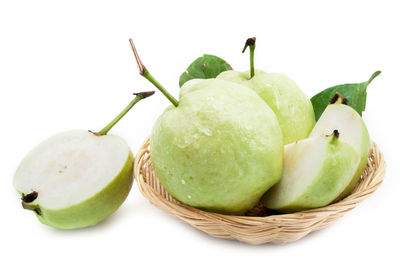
(93, 209)
(363, 162)
(339, 165)
(212, 152)
(345, 119)
(290, 105)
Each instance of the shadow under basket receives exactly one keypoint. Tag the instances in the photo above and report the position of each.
(278, 228)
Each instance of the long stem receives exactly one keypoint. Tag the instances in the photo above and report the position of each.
(251, 43)
(139, 97)
(145, 73)
(150, 78)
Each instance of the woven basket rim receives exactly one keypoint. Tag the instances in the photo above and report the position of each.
(251, 229)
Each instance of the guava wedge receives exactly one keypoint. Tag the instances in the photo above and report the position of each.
(315, 172)
(352, 130)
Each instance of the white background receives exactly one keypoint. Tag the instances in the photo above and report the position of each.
(68, 65)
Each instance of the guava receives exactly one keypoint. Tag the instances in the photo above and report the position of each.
(291, 106)
(338, 115)
(212, 152)
(209, 149)
(77, 178)
(315, 172)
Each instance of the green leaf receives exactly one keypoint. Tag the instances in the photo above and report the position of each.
(205, 67)
(355, 93)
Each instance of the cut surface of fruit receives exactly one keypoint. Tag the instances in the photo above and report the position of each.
(348, 122)
(352, 131)
(71, 167)
(315, 172)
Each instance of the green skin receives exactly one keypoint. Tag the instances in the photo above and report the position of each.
(291, 106)
(327, 185)
(211, 152)
(362, 149)
(93, 210)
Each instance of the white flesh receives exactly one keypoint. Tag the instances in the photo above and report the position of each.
(343, 118)
(302, 162)
(71, 167)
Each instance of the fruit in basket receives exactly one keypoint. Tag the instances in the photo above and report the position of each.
(291, 106)
(315, 172)
(212, 152)
(338, 115)
(77, 178)
(209, 150)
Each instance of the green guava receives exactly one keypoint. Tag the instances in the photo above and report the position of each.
(315, 172)
(352, 131)
(75, 179)
(290, 105)
(212, 152)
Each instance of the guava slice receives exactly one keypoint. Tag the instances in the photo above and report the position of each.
(352, 131)
(315, 172)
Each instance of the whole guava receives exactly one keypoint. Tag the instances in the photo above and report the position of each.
(291, 106)
(212, 151)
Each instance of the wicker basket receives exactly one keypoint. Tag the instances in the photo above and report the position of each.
(257, 230)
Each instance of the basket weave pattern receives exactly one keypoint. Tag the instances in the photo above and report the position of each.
(257, 230)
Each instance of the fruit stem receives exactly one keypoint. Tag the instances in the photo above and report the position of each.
(30, 207)
(251, 43)
(145, 73)
(334, 136)
(139, 96)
